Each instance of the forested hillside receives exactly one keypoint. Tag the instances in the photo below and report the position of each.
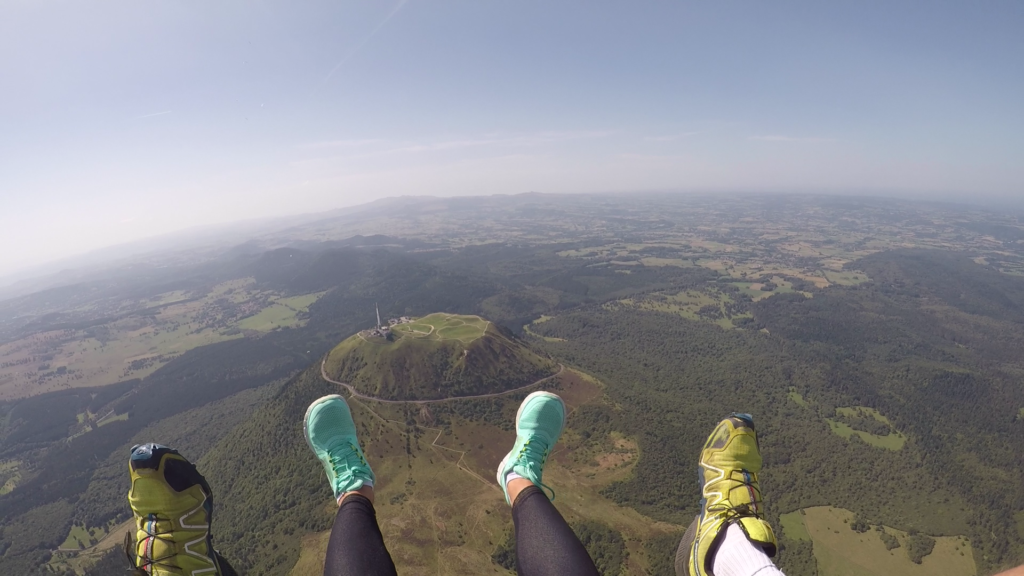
(913, 357)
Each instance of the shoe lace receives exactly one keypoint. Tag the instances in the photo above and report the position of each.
(346, 463)
(746, 480)
(147, 562)
(532, 457)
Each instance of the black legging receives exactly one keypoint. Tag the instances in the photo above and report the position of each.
(545, 545)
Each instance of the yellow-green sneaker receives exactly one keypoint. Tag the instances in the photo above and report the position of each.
(729, 464)
(173, 506)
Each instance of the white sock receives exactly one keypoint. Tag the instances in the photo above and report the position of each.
(511, 476)
(737, 556)
(366, 483)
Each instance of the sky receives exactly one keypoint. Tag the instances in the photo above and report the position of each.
(122, 119)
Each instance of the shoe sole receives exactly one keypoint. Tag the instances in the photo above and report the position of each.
(683, 560)
(305, 419)
(519, 413)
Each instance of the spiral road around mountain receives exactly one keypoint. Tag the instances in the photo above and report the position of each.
(356, 394)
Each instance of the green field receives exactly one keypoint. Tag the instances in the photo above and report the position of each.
(112, 418)
(652, 261)
(839, 551)
(78, 538)
(442, 326)
(82, 537)
(301, 303)
(133, 346)
(688, 304)
(283, 313)
(271, 318)
(798, 398)
(9, 475)
(753, 289)
(136, 346)
(893, 441)
(793, 526)
(845, 278)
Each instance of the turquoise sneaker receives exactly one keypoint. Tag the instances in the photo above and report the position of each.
(331, 435)
(539, 423)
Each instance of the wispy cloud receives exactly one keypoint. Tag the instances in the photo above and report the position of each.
(383, 146)
(671, 137)
(151, 115)
(782, 138)
(359, 46)
(535, 139)
(344, 143)
(377, 147)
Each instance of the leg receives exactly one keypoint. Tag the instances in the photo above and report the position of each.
(356, 547)
(730, 536)
(545, 544)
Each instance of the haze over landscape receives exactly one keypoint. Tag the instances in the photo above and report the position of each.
(213, 215)
(123, 120)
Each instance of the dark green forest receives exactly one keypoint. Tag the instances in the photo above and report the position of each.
(910, 346)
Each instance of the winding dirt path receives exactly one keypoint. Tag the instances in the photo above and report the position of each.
(357, 394)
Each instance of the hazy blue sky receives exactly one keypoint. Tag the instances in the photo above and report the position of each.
(123, 119)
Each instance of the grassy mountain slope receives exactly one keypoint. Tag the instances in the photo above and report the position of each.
(474, 360)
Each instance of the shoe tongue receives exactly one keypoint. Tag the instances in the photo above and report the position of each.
(150, 495)
(532, 454)
(538, 444)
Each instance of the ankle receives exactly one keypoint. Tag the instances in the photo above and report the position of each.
(738, 556)
(515, 486)
(365, 491)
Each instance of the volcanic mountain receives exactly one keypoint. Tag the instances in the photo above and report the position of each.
(436, 357)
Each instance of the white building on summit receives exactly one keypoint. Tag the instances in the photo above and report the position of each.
(383, 329)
